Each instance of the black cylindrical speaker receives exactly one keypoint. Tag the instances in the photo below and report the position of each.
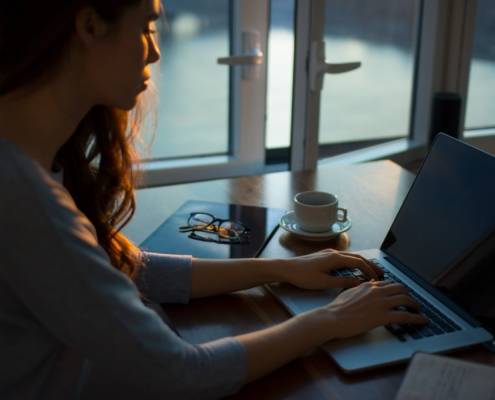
(446, 115)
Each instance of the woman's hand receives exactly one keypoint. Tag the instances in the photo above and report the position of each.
(367, 306)
(354, 311)
(313, 271)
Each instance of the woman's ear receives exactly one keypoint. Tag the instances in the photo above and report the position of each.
(90, 26)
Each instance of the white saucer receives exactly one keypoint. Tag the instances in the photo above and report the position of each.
(288, 222)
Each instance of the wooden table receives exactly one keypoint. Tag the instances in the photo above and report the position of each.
(373, 193)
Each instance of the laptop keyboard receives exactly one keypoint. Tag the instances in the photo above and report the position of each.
(438, 323)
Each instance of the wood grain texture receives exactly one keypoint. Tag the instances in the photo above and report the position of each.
(373, 193)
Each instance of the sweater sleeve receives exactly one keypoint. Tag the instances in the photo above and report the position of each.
(165, 278)
(53, 262)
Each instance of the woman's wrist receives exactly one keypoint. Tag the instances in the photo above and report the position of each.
(318, 327)
(276, 270)
(321, 323)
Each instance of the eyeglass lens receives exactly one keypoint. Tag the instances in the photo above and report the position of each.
(200, 221)
(230, 229)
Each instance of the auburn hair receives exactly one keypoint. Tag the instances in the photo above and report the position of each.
(98, 158)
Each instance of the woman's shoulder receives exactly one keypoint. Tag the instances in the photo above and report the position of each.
(30, 190)
(15, 163)
(19, 172)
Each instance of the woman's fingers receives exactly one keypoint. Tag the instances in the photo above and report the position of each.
(375, 267)
(390, 288)
(376, 283)
(405, 310)
(344, 283)
(402, 300)
(354, 262)
(404, 317)
(375, 303)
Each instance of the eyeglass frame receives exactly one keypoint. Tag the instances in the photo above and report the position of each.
(220, 239)
(216, 222)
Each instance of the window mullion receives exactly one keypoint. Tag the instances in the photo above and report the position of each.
(427, 61)
(310, 22)
(249, 91)
(459, 40)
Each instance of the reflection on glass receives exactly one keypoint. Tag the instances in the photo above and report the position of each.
(193, 90)
(374, 101)
(481, 95)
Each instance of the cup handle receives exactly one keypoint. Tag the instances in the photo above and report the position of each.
(343, 215)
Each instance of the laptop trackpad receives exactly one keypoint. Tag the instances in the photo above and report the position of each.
(377, 347)
(298, 301)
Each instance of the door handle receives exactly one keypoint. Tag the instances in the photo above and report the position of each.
(318, 66)
(255, 58)
(342, 67)
(252, 56)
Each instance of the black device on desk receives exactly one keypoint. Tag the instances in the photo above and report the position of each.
(260, 221)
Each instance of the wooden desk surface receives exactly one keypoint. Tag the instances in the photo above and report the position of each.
(373, 193)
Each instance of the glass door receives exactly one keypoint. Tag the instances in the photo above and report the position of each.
(193, 92)
(211, 91)
(359, 86)
(372, 103)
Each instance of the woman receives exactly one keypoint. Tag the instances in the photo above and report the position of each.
(70, 282)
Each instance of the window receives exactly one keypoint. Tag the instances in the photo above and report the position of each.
(375, 44)
(280, 74)
(212, 91)
(283, 96)
(372, 102)
(193, 89)
(480, 116)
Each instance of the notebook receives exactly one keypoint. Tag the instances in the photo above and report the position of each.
(432, 377)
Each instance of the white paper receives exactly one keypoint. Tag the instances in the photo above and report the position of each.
(432, 377)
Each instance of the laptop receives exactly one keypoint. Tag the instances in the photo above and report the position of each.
(441, 246)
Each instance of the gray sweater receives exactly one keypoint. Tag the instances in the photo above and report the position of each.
(65, 311)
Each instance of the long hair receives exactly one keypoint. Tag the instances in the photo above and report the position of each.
(97, 159)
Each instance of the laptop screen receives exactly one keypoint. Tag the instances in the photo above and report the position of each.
(443, 227)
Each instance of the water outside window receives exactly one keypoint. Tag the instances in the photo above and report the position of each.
(373, 102)
(193, 108)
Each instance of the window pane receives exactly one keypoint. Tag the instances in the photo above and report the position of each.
(374, 101)
(481, 96)
(193, 109)
(280, 74)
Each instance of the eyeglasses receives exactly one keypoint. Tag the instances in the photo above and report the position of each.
(225, 230)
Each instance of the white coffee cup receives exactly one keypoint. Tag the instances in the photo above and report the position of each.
(317, 211)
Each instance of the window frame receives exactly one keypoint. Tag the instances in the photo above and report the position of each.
(443, 59)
